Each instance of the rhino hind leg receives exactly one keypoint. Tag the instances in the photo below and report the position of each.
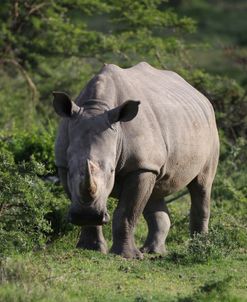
(158, 221)
(200, 192)
(92, 238)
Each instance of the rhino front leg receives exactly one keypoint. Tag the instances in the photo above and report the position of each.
(158, 221)
(136, 191)
(92, 238)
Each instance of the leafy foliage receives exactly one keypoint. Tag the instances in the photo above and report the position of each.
(36, 37)
(36, 144)
(25, 202)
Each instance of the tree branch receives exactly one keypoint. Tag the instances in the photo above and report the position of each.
(16, 9)
(30, 83)
(158, 57)
(36, 8)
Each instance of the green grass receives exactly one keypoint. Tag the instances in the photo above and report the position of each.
(73, 275)
(213, 270)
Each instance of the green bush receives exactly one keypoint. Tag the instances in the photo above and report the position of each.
(204, 247)
(225, 236)
(38, 143)
(26, 203)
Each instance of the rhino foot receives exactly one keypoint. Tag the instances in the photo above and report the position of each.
(152, 249)
(94, 246)
(91, 238)
(129, 253)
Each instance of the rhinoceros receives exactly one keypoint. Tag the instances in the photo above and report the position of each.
(137, 134)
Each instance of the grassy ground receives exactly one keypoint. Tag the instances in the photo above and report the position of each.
(187, 273)
(72, 275)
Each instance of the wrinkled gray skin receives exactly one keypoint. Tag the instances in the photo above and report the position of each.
(137, 151)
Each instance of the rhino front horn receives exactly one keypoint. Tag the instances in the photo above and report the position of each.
(90, 180)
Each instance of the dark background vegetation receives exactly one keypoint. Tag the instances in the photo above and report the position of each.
(48, 45)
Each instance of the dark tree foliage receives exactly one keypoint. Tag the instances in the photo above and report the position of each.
(35, 33)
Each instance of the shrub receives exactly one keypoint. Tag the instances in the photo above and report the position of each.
(38, 143)
(203, 247)
(25, 203)
(227, 236)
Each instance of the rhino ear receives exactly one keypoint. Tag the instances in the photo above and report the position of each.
(124, 113)
(63, 105)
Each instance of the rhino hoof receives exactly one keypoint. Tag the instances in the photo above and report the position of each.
(154, 249)
(127, 253)
(95, 246)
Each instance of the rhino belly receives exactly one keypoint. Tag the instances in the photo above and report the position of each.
(171, 184)
(180, 169)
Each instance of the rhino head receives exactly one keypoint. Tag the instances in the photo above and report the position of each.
(94, 137)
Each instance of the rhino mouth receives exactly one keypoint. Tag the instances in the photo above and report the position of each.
(88, 217)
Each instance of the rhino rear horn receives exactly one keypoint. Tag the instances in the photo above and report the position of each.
(63, 105)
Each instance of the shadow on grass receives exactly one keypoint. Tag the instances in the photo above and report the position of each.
(215, 290)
